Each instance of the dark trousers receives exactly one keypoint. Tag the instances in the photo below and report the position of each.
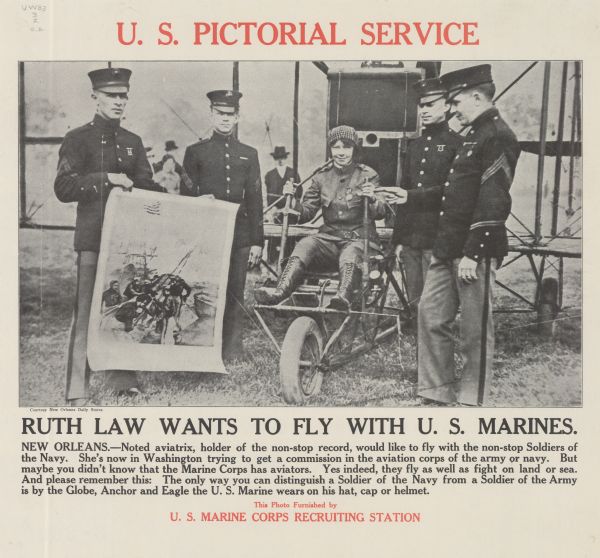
(78, 370)
(444, 293)
(416, 262)
(233, 317)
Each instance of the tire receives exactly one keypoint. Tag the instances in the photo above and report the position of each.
(548, 307)
(303, 342)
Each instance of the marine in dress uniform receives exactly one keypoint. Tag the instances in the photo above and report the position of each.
(223, 167)
(427, 162)
(93, 159)
(473, 203)
(338, 190)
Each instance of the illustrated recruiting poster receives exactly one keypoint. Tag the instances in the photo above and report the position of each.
(299, 279)
(181, 319)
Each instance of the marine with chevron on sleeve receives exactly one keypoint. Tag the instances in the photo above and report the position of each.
(224, 168)
(427, 162)
(473, 204)
(93, 159)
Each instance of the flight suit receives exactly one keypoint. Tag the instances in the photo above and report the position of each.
(336, 192)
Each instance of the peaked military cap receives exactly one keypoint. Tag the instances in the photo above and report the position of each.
(224, 98)
(110, 80)
(458, 80)
(431, 86)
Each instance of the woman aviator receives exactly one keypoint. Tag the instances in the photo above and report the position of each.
(339, 191)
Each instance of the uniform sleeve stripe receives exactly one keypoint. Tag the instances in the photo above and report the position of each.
(480, 224)
(500, 163)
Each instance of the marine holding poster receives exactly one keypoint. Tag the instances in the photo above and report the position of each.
(416, 126)
(163, 256)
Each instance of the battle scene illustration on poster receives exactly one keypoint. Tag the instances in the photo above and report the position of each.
(165, 298)
(159, 278)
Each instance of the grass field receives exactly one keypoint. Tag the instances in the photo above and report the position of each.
(530, 371)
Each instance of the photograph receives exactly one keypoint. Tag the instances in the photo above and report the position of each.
(376, 233)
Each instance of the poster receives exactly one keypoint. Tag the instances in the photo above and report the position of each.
(427, 516)
(181, 273)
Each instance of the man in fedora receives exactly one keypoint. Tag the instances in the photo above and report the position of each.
(473, 204)
(427, 162)
(171, 145)
(276, 178)
(93, 159)
(224, 168)
(169, 173)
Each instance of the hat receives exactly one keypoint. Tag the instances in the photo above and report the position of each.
(346, 133)
(432, 86)
(279, 152)
(466, 78)
(110, 80)
(224, 98)
(170, 145)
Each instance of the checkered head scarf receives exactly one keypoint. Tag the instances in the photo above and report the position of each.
(345, 133)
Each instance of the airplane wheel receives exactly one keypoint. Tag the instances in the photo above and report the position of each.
(299, 365)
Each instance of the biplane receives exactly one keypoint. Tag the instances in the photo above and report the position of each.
(379, 102)
(377, 99)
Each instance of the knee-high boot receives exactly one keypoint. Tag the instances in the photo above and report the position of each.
(350, 276)
(288, 281)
